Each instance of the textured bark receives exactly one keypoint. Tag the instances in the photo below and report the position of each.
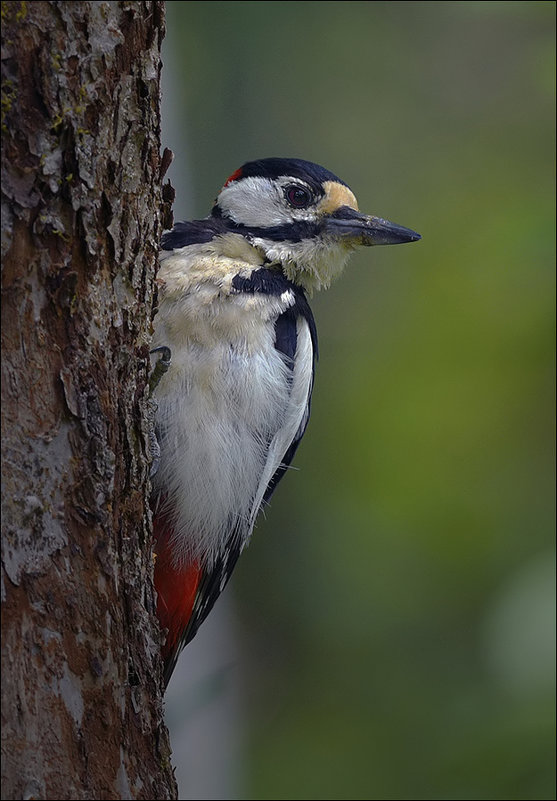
(81, 216)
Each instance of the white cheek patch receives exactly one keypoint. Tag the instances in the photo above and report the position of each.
(255, 202)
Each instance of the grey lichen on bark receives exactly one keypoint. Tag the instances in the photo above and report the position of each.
(81, 218)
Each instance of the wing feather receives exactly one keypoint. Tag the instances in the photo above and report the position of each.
(296, 341)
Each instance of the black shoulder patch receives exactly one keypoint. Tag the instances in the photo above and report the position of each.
(274, 282)
(195, 232)
(286, 342)
(286, 335)
(304, 310)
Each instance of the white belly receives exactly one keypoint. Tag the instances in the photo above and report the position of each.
(229, 407)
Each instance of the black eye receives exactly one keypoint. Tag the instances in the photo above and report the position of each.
(298, 196)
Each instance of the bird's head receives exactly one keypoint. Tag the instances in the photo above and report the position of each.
(302, 217)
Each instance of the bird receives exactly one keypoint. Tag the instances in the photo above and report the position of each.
(234, 403)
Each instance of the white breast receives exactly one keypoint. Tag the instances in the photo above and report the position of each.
(229, 409)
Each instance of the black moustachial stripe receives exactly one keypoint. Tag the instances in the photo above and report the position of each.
(293, 231)
(289, 232)
(198, 232)
(265, 280)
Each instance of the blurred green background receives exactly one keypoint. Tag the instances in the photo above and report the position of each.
(396, 605)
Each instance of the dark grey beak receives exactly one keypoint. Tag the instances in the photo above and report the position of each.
(349, 224)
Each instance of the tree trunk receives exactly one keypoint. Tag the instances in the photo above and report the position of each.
(81, 218)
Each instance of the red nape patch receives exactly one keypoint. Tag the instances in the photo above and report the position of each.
(176, 587)
(233, 177)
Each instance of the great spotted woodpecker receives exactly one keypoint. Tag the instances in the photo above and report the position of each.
(235, 402)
